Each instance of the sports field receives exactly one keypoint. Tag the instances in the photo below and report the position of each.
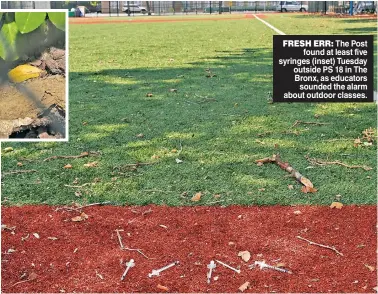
(209, 84)
(175, 114)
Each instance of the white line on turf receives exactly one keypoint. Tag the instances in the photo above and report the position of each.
(269, 25)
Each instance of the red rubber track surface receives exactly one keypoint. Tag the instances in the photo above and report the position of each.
(193, 236)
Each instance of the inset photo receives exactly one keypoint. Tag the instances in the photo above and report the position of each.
(33, 75)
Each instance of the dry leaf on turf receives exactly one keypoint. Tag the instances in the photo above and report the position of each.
(357, 142)
(261, 189)
(19, 164)
(139, 135)
(161, 287)
(245, 255)
(197, 197)
(371, 268)
(155, 156)
(290, 187)
(306, 189)
(244, 287)
(67, 166)
(306, 182)
(337, 205)
(91, 164)
(216, 196)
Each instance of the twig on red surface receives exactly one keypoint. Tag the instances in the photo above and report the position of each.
(120, 238)
(137, 250)
(297, 122)
(68, 208)
(336, 162)
(321, 245)
(127, 248)
(93, 204)
(99, 275)
(79, 208)
(12, 172)
(147, 211)
(28, 280)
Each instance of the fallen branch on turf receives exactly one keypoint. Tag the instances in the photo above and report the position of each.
(178, 153)
(320, 245)
(308, 187)
(13, 172)
(133, 166)
(156, 190)
(213, 202)
(126, 248)
(83, 154)
(81, 186)
(316, 161)
(298, 122)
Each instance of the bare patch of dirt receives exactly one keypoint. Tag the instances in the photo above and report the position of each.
(50, 90)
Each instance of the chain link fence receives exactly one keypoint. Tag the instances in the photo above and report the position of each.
(121, 8)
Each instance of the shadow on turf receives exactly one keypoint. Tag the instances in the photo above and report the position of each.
(129, 102)
(108, 108)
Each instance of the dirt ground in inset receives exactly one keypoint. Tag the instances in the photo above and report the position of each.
(43, 250)
(50, 90)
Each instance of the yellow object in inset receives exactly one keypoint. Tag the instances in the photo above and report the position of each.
(24, 72)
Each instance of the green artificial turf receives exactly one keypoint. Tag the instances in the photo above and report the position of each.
(217, 125)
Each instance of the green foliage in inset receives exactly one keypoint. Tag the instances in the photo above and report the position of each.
(58, 19)
(9, 33)
(29, 21)
(23, 32)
